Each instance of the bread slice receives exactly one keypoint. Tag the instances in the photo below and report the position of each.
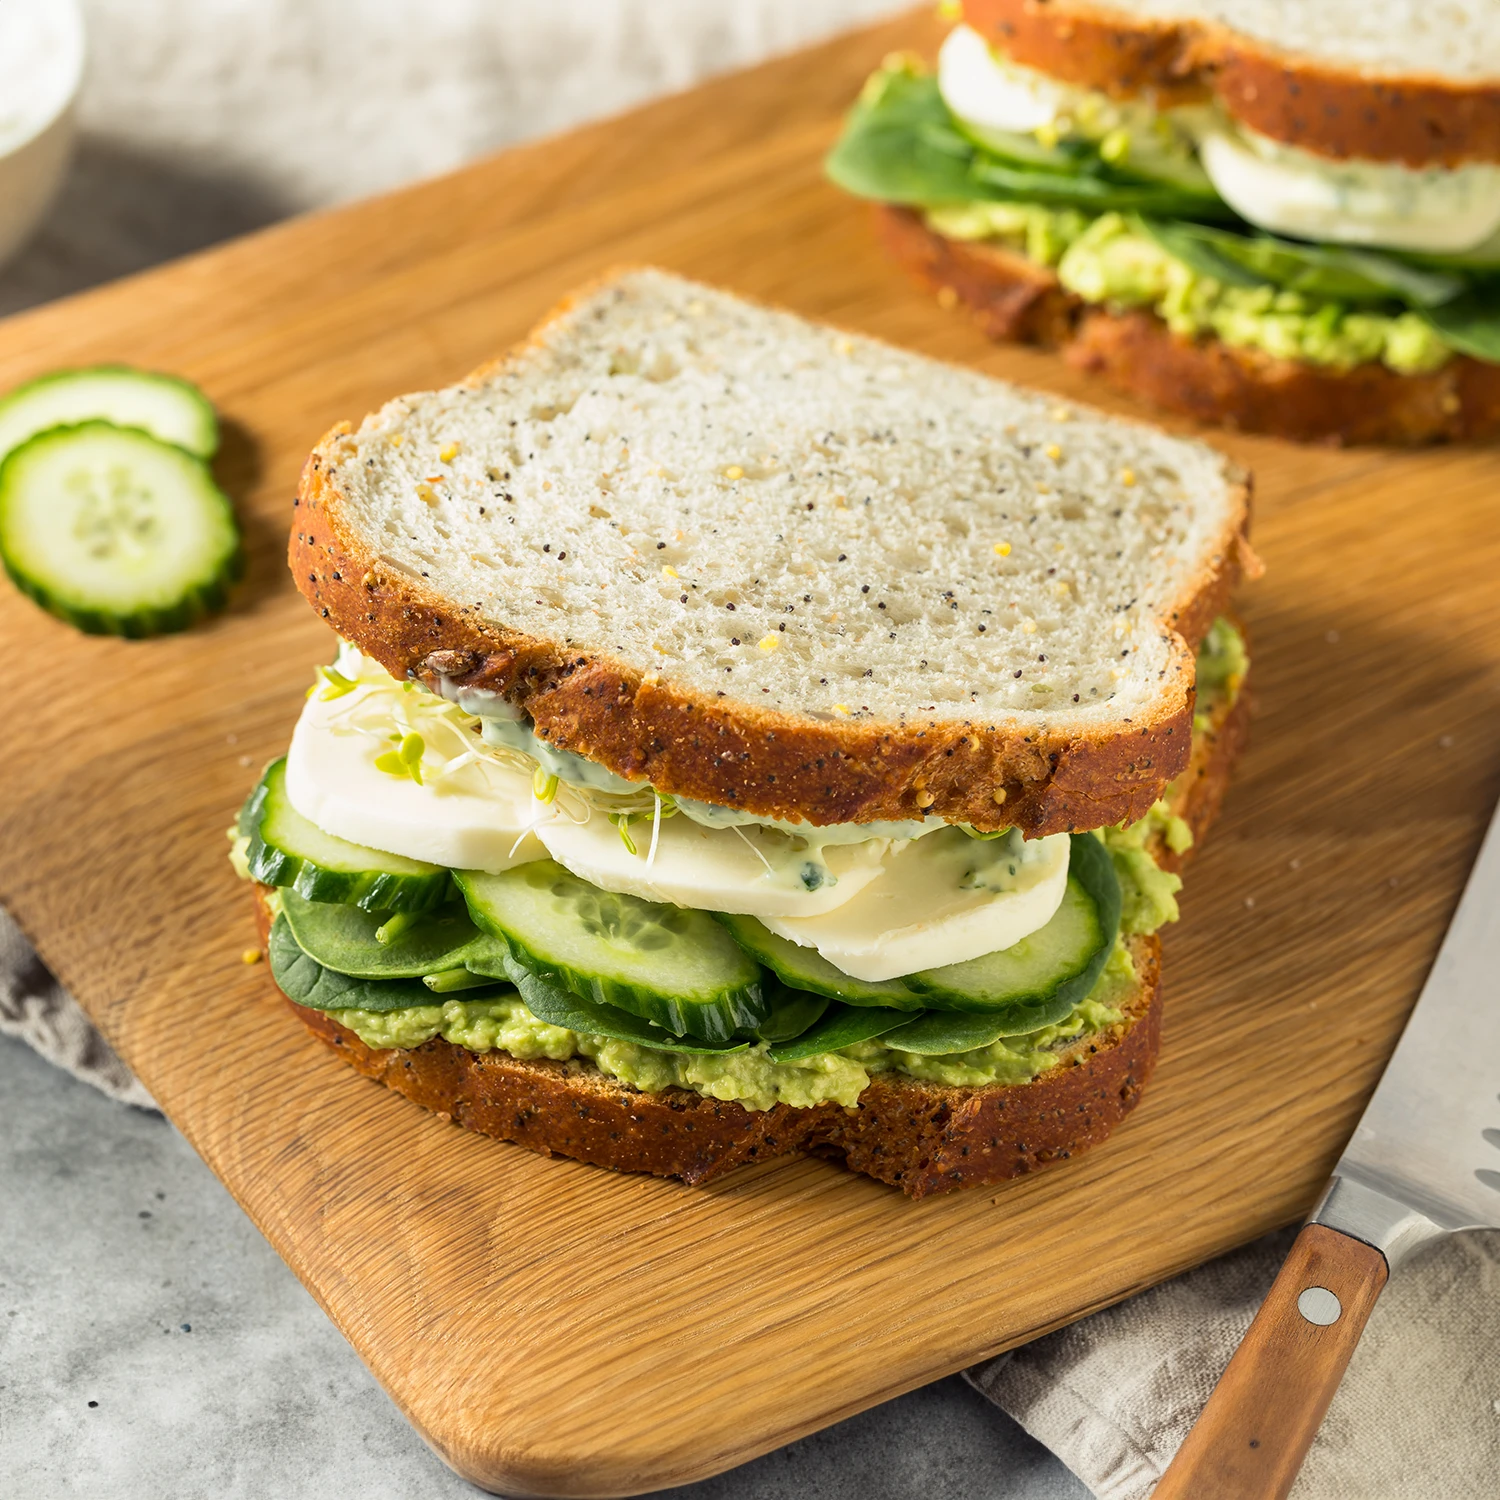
(763, 563)
(921, 1137)
(1011, 297)
(1377, 81)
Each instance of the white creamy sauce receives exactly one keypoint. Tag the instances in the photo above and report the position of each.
(40, 54)
(1290, 191)
(941, 900)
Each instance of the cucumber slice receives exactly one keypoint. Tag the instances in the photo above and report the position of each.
(668, 964)
(807, 969)
(287, 850)
(559, 1007)
(344, 938)
(792, 1013)
(1039, 980)
(306, 981)
(115, 532)
(843, 1026)
(168, 408)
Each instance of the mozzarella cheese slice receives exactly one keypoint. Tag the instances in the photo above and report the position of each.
(980, 88)
(754, 871)
(476, 821)
(1290, 191)
(944, 899)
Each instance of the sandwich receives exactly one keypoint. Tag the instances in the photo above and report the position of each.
(1269, 215)
(748, 739)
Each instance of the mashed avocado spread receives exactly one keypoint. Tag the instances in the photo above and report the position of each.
(750, 1077)
(1106, 259)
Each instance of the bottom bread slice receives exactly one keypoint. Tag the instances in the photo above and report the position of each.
(1013, 298)
(921, 1137)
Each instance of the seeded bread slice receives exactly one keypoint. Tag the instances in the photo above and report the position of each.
(1380, 81)
(763, 563)
(1013, 298)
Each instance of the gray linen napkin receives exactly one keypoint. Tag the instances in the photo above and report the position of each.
(204, 118)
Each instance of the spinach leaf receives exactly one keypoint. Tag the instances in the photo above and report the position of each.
(841, 1026)
(306, 981)
(792, 1012)
(343, 938)
(941, 1031)
(1470, 324)
(1334, 273)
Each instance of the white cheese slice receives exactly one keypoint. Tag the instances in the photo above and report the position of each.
(753, 871)
(944, 899)
(1290, 191)
(476, 820)
(981, 89)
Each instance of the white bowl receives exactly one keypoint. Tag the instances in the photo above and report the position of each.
(41, 67)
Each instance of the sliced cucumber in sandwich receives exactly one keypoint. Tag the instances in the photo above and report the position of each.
(551, 1003)
(675, 967)
(807, 969)
(1039, 980)
(287, 850)
(115, 532)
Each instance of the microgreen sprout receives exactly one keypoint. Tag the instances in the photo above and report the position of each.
(976, 833)
(389, 931)
(622, 823)
(333, 684)
(405, 761)
(543, 785)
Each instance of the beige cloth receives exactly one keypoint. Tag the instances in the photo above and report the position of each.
(1417, 1417)
(208, 117)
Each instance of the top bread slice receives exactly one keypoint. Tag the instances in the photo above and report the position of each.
(1379, 80)
(766, 564)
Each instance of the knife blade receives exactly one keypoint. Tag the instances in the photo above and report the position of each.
(1425, 1157)
(1423, 1161)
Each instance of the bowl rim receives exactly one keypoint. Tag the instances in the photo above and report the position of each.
(75, 40)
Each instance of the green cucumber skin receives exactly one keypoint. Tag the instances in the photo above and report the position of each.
(806, 969)
(560, 1007)
(370, 890)
(736, 1008)
(199, 597)
(1089, 870)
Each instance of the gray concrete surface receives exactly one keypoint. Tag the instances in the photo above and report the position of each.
(153, 1345)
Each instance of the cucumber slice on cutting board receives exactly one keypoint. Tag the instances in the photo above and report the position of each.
(807, 969)
(673, 966)
(166, 407)
(1039, 980)
(287, 850)
(116, 532)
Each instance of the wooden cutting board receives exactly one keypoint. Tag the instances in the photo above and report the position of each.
(553, 1329)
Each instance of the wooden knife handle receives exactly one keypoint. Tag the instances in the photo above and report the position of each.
(1251, 1438)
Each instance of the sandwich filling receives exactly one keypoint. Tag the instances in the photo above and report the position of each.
(439, 871)
(1184, 211)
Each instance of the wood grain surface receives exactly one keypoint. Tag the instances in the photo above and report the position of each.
(553, 1329)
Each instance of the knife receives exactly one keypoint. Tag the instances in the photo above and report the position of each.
(1424, 1161)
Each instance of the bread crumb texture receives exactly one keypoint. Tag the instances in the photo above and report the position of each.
(763, 508)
